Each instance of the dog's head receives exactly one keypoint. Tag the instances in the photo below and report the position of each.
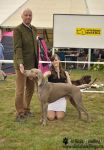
(32, 73)
(35, 74)
(86, 79)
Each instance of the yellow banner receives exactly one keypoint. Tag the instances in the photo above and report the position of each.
(88, 31)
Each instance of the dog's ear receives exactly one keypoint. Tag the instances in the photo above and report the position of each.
(34, 72)
(40, 78)
(87, 79)
(27, 73)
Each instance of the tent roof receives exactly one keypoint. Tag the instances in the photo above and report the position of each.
(43, 10)
(8, 7)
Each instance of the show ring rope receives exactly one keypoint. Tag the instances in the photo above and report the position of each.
(80, 62)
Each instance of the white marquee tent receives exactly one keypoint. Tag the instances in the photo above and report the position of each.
(43, 10)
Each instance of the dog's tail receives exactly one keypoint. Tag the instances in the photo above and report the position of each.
(86, 86)
(93, 81)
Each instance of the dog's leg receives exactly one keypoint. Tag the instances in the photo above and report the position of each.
(36, 85)
(81, 107)
(41, 119)
(75, 105)
(79, 103)
(76, 101)
(44, 106)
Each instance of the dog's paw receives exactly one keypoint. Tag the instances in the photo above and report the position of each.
(44, 123)
(41, 120)
(89, 119)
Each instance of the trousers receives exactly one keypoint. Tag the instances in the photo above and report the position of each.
(23, 93)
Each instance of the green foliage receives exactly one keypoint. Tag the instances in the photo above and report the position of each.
(98, 67)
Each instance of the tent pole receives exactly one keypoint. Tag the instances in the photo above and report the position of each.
(89, 57)
(89, 50)
(53, 51)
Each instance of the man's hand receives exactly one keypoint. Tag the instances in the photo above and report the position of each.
(22, 68)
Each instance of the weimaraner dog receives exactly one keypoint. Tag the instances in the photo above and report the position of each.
(50, 92)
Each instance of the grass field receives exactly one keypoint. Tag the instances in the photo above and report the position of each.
(31, 135)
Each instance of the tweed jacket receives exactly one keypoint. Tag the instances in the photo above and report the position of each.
(25, 47)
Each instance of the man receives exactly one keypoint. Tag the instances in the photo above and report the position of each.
(25, 57)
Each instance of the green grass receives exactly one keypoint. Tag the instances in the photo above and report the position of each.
(31, 135)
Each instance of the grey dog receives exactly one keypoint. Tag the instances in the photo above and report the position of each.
(50, 92)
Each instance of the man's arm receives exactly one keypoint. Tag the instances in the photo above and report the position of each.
(17, 39)
(18, 48)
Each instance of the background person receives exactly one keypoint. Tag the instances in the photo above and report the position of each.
(25, 57)
(2, 73)
(57, 109)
